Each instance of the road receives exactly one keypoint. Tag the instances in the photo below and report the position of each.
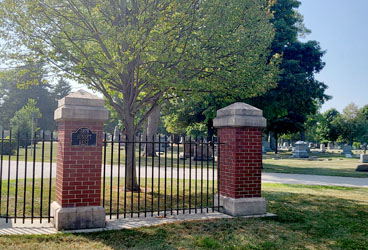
(184, 174)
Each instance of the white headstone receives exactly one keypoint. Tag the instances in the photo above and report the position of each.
(363, 158)
(300, 150)
(322, 148)
(346, 149)
(116, 133)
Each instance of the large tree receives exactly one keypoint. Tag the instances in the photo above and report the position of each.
(135, 51)
(19, 85)
(298, 94)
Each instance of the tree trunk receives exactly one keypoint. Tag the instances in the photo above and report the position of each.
(131, 172)
(210, 130)
(273, 142)
(276, 146)
(151, 130)
(302, 135)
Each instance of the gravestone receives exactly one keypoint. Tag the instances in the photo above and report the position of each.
(189, 149)
(346, 150)
(363, 166)
(363, 158)
(116, 133)
(202, 154)
(47, 135)
(161, 144)
(322, 148)
(300, 150)
(330, 146)
(266, 145)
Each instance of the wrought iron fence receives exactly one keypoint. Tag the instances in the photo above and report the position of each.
(173, 177)
(26, 172)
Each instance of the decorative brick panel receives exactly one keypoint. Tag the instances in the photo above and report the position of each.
(78, 173)
(240, 161)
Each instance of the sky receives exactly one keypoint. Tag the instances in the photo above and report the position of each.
(341, 28)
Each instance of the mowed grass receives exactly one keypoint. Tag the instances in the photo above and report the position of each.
(309, 217)
(331, 164)
(47, 152)
(33, 197)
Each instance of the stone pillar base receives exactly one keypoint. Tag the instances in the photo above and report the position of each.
(242, 206)
(73, 218)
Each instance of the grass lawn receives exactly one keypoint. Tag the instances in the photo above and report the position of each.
(309, 217)
(152, 200)
(115, 155)
(332, 164)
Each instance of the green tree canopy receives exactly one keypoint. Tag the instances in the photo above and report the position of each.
(298, 94)
(136, 52)
(16, 88)
(24, 119)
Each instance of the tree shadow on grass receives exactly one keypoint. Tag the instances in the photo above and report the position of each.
(302, 219)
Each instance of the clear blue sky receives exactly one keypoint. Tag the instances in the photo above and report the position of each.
(341, 28)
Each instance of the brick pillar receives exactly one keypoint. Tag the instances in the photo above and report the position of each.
(240, 129)
(80, 117)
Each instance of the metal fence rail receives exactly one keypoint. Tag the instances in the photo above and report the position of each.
(26, 176)
(179, 177)
(173, 177)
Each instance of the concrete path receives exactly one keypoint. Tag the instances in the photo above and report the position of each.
(305, 179)
(186, 173)
(38, 228)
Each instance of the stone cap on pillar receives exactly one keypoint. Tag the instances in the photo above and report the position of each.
(81, 105)
(239, 114)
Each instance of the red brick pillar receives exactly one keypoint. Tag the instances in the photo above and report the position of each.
(80, 117)
(240, 129)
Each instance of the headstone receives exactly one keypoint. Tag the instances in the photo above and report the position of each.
(362, 168)
(300, 150)
(47, 135)
(203, 154)
(161, 144)
(330, 146)
(181, 139)
(322, 148)
(266, 146)
(263, 150)
(285, 145)
(363, 158)
(346, 149)
(348, 156)
(116, 133)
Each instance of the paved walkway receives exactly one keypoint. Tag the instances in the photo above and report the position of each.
(305, 179)
(38, 228)
(186, 173)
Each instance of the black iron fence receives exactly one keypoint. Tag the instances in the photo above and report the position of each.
(172, 177)
(26, 176)
(168, 177)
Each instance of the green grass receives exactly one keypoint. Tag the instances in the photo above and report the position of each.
(331, 164)
(112, 157)
(152, 200)
(309, 217)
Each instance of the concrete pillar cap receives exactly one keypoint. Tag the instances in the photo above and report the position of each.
(81, 105)
(239, 114)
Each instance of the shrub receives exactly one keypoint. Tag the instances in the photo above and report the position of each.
(6, 147)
